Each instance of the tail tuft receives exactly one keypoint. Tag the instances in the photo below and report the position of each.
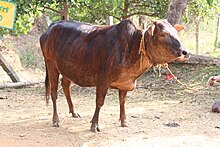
(47, 99)
(47, 87)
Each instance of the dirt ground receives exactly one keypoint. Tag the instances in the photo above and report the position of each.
(159, 112)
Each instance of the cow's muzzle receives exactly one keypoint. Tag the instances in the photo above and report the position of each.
(184, 55)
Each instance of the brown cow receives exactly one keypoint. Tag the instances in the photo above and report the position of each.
(105, 57)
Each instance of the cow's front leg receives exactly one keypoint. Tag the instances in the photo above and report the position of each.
(122, 99)
(100, 98)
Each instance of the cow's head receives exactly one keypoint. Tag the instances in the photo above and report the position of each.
(162, 43)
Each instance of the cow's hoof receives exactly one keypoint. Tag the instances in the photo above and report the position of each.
(95, 128)
(55, 124)
(76, 115)
(124, 124)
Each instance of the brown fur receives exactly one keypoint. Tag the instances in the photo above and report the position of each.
(104, 57)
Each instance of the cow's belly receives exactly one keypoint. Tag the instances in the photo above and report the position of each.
(127, 85)
(126, 81)
(90, 79)
(82, 80)
(86, 79)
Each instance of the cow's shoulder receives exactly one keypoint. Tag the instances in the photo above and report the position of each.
(65, 24)
(71, 26)
(127, 24)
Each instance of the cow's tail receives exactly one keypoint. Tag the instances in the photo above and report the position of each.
(47, 80)
(47, 87)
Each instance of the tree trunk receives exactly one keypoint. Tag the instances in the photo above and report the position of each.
(176, 10)
(65, 11)
(9, 70)
(125, 10)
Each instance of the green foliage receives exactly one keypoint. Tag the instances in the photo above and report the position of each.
(23, 24)
(210, 2)
(94, 11)
(198, 10)
(28, 58)
(27, 10)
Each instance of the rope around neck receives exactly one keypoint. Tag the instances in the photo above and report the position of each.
(143, 50)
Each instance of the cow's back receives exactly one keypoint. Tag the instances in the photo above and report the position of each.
(61, 34)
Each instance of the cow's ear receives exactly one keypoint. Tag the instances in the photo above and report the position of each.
(179, 27)
(151, 30)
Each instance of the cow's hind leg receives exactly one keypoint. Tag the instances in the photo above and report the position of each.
(53, 77)
(100, 98)
(66, 89)
(122, 99)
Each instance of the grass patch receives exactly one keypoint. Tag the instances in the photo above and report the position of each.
(28, 58)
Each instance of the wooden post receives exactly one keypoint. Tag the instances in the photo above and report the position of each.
(109, 20)
(142, 23)
(217, 30)
(9, 70)
(197, 38)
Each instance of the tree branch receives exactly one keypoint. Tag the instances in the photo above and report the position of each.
(140, 5)
(118, 18)
(134, 1)
(46, 7)
(20, 84)
(141, 13)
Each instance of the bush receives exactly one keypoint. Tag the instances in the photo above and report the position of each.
(28, 58)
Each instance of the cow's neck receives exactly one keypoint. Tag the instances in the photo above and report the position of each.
(145, 59)
(144, 49)
(141, 57)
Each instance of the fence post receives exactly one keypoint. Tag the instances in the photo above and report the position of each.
(217, 30)
(109, 20)
(197, 38)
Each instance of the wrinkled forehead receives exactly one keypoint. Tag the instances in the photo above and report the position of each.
(167, 27)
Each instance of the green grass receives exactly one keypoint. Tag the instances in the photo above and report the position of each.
(28, 58)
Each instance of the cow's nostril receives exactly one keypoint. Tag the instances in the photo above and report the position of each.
(184, 53)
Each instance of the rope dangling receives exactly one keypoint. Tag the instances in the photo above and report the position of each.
(175, 78)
